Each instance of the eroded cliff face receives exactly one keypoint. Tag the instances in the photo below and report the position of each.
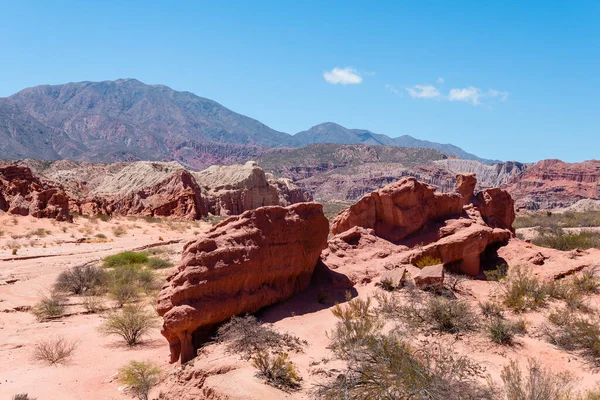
(245, 263)
(22, 193)
(554, 183)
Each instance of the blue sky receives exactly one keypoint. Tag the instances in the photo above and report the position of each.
(504, 80)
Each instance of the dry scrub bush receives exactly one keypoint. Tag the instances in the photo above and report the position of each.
(132, 323)
(93, 304)
(561, 240)
(524, 291)
(277, 370)
(536, 383)
(427, 261)
(575, 331)
(22, 396)
(140, 377)
(81, 279)
(159, 263)
(54, 351)
(420, 310)
(384, 366)
(248, 336)
(50, 306)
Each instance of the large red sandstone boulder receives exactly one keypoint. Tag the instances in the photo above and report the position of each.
(497, 208)
(243, 264)
(399, 210)
(22, 193)
(465, 185)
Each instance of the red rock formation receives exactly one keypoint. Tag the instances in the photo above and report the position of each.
(398, 210)
(420, 222)
(554, 183)
(22, 193)
(178, 196)
(241, 265)
(465, 185)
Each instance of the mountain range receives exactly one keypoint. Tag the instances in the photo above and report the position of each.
(127, 120)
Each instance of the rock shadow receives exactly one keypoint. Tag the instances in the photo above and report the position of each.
(327, 287)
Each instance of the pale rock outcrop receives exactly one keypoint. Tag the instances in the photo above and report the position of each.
(245, 263)
(233, 189)
(430, 277)
(22, 193)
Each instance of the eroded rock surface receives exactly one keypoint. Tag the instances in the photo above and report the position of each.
(416, 222)
(22, 193)
(243, 264)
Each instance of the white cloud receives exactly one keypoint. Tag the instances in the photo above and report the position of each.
(440, 80)
(469, 95)
(392, 89)
(503, 96)
(343, 76)
(423, 91)
(475, 95)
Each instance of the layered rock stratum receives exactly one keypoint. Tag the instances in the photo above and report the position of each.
(243, 264)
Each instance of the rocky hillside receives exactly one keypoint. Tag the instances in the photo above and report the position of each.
(166, 189)
(554, 184)
(127, 120)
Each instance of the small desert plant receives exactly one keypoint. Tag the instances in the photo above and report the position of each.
(573, 331)
(22, 396)
(497, 274)
(159, 263)
(132, 323)
(80, 279)
(54, 351)
(523, 291)
(93, 304)
(119, 231)
(500, 330)
(451, 316)
(427, 261)
(536, 383)
(49, 307)
(100, 236)
(490, 309)
(278, 371)
(248, 336)
(124, 292)
(14, 251)
(140, 377)
(125, 258)
(561, 240)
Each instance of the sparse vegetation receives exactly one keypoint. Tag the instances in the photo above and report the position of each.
(23, 396)
(500, 330)
(140, 377)
(523, 291)
(384, 366)
(125, 258)
(100, 236)
(49, 307)
(497, 274)
(427, 261)
(119, 231)
(561, 240)
(81, 279)
(132, 323)
(558, 220)
(93, 304)
(432, 312)
(54, 351)
(575, 331)
(159, 263)
(536, 383)
(278, 370)
(248, 336)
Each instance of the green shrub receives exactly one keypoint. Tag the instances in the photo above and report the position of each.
(80, 279)
(100, 236)
(497, 274)
(140, 377)
(555, 220)
(561, 240)
(132, 323)
(500, 330)
(125, 258)
(159, 263)
(124, 292)
(49, 307)
(523, 291)
(490, 309)
(93, 304)
(451, 316)
(248, 336)
(278, 371)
